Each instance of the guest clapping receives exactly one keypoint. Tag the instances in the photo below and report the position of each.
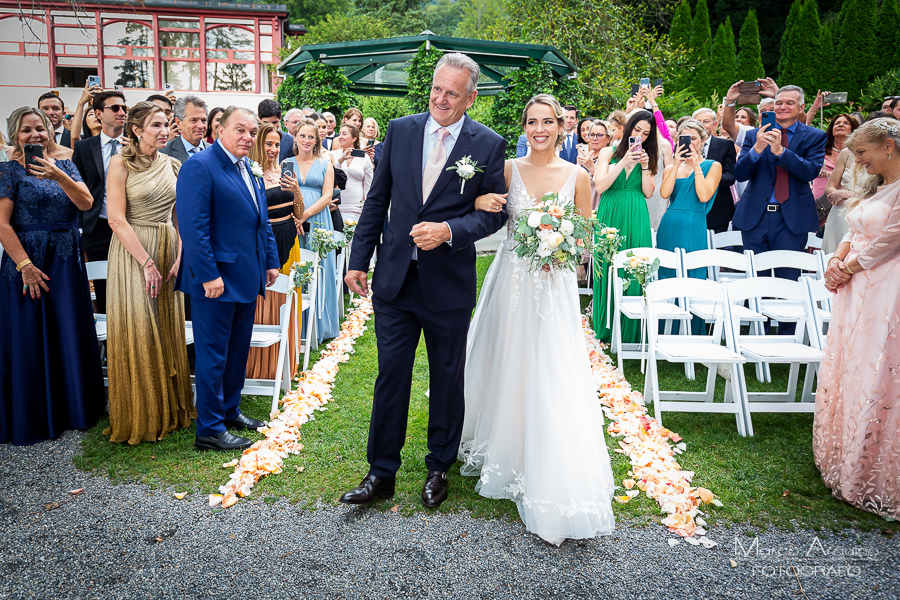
(50, 375)
(150, 391)
(857, 412)
(359, 170)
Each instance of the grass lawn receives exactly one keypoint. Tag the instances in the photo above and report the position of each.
(767, 480)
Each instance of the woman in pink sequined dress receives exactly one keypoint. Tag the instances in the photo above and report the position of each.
(856, 433)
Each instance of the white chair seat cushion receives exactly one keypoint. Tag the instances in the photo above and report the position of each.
(680, 351)
(710, 311)
(633, 308)
(265, 336)
(188, 333)
(100, 326)
(778, 351)
(782, 310)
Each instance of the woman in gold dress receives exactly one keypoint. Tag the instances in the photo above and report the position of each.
(149, 378)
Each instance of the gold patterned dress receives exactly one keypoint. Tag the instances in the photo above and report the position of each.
(149, 378)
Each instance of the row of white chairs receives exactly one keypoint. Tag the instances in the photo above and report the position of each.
(804, 347)
(264, 336)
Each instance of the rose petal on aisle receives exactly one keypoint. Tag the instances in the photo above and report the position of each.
(649, 447)
(282, 433)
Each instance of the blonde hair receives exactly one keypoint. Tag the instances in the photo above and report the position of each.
(696, 126)
(553, 103)
(138, 116)
(876, 131)
(317, 147)
(258, 151)
(375, 123)
(15, 125)
(617, 118)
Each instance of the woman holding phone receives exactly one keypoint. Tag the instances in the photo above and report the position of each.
(624, 177)
(690, 184)
(359, 170)
(50, 375)
(285, 201)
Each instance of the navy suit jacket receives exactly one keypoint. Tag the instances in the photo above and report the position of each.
(447, 273)
(802, 160)
(223, 233)
(572, 154)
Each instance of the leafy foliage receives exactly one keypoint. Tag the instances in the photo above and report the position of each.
(421, 72)
(342, 27)
(321, 86)
(720, 72)
(311, 12)
(749, 60)
(443, 16)
(402, 17)
(701, 40)
(886, 85)
(383, 110)
(786, 56)
(802, 43)
(856, 51)
(887, 36)
(478, 18)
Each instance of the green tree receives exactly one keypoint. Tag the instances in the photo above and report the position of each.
(403, 17)
(749, 60)
(887, 36)
(682, 25)
(826, 58)
(321, 86)
(383, 110)
(857, 54)
(882, 86)
(420, 75)
(802, 44)
(698, 55)
(786, 48)
(478, 17)
(443, 16)
(311, 12)
(721, 67)
(340, 27)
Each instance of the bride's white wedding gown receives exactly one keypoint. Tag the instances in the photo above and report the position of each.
(533, 429)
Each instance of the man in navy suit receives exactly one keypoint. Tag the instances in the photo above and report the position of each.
(229, 258)
(569, 149)
(425, 276)
(777, 209)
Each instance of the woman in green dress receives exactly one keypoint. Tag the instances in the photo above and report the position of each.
(625, 178)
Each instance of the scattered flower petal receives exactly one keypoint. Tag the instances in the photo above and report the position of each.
(76, 492)
(707, 543)
(674, 541)
(180, 495)
(692, 541)
(215, 499)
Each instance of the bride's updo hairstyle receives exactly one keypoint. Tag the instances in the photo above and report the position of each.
(138, 116)
(877, 132)
(553, 103)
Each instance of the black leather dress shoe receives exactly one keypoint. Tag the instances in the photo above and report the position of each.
(244, 422)
(224, 442)
(370, 488)
(435, 490)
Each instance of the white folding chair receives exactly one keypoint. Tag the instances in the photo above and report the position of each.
(633, 306)
(813, 241)
(309, 308)
(653, 238)
(717, 241)
(97, 271)
(265, 336)
(782, 311)
(695, 348)
(779, 349)
(819, 298)
(339, 269)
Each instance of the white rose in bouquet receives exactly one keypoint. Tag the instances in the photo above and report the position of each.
(566, 227)
(534, 219)
(554, 239)
(544, 251)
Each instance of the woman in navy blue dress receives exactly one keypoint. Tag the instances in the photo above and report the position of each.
(50, 374)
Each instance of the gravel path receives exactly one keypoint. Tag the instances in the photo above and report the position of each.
(127, 541)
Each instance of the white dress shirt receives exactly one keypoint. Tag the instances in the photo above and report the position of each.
(106, 149)
(59, 133)
(245, 173)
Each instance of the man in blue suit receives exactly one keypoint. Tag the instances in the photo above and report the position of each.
(229, 258)
(425, 276)
(569, 149)
(777, 209)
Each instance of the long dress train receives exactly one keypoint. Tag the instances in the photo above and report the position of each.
(533, 429)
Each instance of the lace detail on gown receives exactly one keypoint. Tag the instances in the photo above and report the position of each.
(533, 430)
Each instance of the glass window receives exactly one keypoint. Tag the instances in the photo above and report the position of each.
(179, 24)
(128, 33)
(179, 39)
(228, 38)
(129, 73)
(265, 43)
(265, 28)
(182, 75)
(229, 77)
(30, 31)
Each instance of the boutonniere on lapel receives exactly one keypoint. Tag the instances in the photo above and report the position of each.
(256, 169)
(466, 169)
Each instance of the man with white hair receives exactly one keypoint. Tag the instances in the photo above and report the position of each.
(190, 113)
(307, 111)
(425, 275)
(721, 151)
(292, 119)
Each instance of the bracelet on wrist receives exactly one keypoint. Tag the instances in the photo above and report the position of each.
(23, 264)
(147, 262)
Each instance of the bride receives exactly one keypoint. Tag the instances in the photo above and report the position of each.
(533, 430)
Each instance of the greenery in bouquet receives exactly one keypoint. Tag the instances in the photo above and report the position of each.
(350, 229)
(641, 269)
(553, 233)
(323, 242)
(303, 273)
(606, 245)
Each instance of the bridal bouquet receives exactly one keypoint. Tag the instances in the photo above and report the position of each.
(303, 273)
(552, 233)
(323, 242)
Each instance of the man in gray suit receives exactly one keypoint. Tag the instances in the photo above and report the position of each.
(190, 114)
